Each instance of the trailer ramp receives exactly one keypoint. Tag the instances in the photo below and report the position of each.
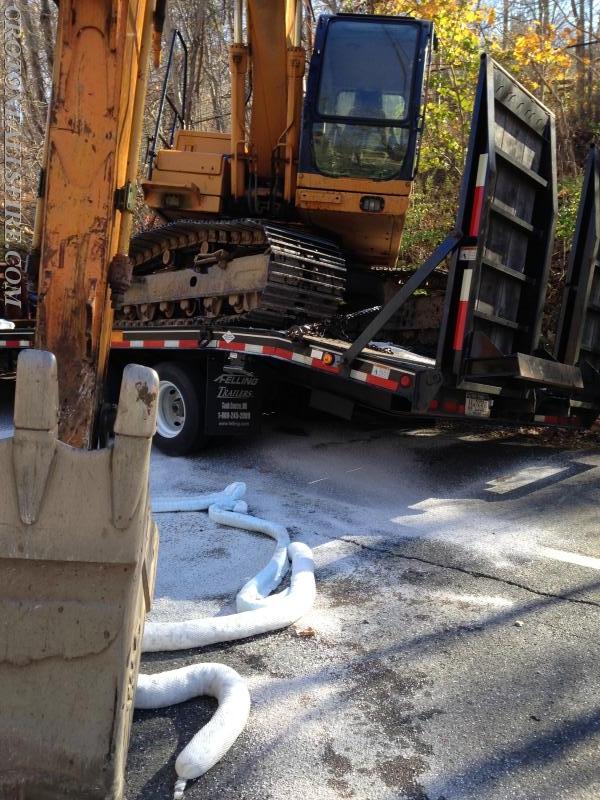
(578, 336)
(498, 275)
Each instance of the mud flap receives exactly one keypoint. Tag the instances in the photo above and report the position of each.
(78, 552)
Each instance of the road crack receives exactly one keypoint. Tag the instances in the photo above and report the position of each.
(464, 570)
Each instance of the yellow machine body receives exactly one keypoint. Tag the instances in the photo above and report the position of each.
(193, 177)
(333, 204)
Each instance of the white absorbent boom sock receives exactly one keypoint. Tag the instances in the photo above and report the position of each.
(212, 741)
(159, 636)
(258, 612)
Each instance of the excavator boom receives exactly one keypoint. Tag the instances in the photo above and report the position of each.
(93, 140)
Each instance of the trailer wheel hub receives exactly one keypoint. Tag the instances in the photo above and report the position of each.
(171, 410)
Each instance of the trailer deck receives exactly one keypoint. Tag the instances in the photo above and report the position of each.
(385, 377)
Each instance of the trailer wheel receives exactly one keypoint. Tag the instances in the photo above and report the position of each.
(180, 412)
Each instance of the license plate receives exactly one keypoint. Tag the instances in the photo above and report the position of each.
(477, 405)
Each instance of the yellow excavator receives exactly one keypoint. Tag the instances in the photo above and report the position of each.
(282, 219)
(267, 223)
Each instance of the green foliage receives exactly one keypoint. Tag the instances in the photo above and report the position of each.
(430, 219)
(568, 201)
(452, 79)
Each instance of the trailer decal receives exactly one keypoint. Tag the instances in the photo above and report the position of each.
(359, 376)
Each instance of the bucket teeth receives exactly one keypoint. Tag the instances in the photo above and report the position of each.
(134, 428)
(36, 429)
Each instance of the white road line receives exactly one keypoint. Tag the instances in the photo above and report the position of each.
(571, 558)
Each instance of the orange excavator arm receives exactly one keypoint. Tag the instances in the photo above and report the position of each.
(84, 219)
(78, 546)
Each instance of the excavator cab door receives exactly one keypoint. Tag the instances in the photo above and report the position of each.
(363, 111)
(361, 128)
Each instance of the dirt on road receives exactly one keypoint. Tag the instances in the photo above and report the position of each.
(453, 650)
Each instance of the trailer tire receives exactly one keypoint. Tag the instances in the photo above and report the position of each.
(180, 413)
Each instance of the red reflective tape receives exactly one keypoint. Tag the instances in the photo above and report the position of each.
(551, 419)
(278, 352)
(231, 345)
(461, 314)
(461, 324)
(188, 344)
(385, 383)
(119, 345)
(13, 343)
(476, 213)
(153, 344)
(282, 353)
(478, 195)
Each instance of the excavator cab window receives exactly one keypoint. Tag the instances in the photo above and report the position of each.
(364, 101)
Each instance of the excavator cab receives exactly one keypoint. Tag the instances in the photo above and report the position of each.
(362, 122)
(363, 107)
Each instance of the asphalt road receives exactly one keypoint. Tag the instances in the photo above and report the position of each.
(455, 648)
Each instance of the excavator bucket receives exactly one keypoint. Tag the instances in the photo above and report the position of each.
(77, 562)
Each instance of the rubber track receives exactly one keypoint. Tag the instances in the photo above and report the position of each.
(307, 274)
